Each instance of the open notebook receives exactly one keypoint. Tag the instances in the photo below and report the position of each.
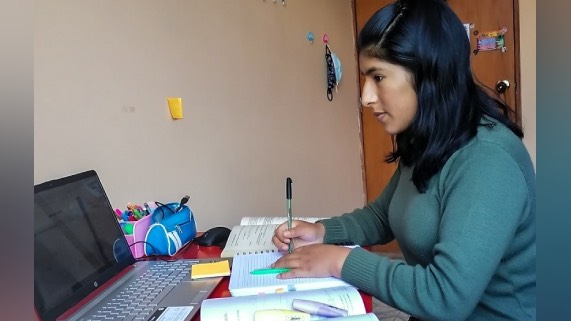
(243, 283)
(244, 308)
(254, 235)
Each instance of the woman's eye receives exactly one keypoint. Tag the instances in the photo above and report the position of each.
(378, 78)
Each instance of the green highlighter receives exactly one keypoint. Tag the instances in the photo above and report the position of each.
(269, 271)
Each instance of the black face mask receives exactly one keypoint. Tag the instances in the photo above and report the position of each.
(331, 79)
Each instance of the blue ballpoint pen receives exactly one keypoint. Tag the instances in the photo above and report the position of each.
(289, 215)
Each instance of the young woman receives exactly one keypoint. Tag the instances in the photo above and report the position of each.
(461, 203)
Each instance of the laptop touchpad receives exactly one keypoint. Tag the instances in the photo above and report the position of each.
(190, 293)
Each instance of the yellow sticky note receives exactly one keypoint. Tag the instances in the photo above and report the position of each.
(175, 107)
(207, 270)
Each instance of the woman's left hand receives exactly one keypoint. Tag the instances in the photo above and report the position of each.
(314, 260)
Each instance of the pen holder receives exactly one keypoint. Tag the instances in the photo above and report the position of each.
(173, 227)
(140, 229)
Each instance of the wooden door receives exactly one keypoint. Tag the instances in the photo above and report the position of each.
(489, 67)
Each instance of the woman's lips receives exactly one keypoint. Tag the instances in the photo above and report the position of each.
(380, 116)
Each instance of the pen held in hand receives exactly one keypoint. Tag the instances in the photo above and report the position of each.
(289, 213)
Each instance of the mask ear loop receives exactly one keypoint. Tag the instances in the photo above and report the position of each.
(330, 73)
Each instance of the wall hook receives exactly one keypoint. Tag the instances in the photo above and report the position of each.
(310, 37)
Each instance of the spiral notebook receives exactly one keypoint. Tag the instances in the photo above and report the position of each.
(243, 283)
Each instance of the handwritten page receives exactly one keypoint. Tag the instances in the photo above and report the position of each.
(243, 283)
(274, 220)
(243, 308)
(254, 235)
(244, 239)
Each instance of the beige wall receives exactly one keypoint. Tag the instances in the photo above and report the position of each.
(528, 85)
(254, 102)
(254, 99)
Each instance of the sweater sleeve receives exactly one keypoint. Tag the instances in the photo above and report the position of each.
(484, 196)
(367, 225)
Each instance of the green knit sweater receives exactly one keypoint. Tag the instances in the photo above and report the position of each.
(469, 241)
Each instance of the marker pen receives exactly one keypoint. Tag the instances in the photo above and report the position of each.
(127, 228)
(150, 205)
(147, 209)
(269, 271)
(281, 315)
(318, 308)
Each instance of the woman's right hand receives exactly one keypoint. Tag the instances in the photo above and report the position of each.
(302, 233)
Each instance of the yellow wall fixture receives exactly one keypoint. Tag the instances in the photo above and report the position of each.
(175, 107)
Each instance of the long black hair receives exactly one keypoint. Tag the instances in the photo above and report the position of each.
(429, 40)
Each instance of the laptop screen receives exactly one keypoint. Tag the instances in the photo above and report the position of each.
(78, 244)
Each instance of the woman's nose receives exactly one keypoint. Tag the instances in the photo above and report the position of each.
(368, 95)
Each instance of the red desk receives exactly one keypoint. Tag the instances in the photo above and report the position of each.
(194, 251)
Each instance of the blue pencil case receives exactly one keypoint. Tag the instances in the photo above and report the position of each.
(173, 227)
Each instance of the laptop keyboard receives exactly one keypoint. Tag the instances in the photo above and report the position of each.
(138, 299)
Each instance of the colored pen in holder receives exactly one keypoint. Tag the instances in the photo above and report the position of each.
(135, 232)
(127, 227)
